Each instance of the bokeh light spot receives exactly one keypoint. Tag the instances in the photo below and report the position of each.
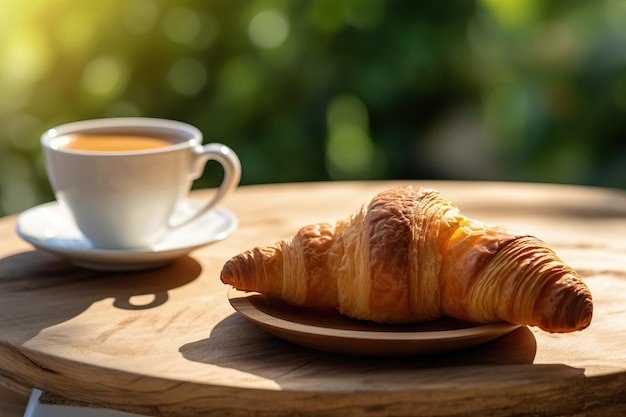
(327, 15)
(349, 152)
(187, 76)
(616, 15)
(364, 14)
(268, 28)
(74, 32)
(347, 109)
(105, 76)
(209, 31)
(239, 80)
(24, 58)
(181, 25)
(512, 13)
(139, 16)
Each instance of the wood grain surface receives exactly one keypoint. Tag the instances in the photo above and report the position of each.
(167, 341)
(12, 404)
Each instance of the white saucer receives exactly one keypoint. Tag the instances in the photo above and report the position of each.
(51, 228)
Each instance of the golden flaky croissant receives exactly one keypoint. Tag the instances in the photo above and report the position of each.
(409, 256)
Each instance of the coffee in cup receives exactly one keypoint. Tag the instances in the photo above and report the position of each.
(112, 143)
(122, 179)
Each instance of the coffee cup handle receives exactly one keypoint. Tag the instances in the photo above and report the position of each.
(232, 174)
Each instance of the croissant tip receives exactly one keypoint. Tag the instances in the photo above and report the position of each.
(246, 271)
(580, 309)
(227, 276)
(582, 314)
(576, 312)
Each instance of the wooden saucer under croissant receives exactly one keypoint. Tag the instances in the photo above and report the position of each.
(409, 256)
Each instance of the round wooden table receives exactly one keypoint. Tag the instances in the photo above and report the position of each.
(167, 341)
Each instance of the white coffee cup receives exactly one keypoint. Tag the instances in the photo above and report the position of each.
(125, 198)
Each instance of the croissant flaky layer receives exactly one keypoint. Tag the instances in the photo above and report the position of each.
(409, 256)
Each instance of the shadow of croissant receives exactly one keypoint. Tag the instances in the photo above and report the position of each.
(238, 344)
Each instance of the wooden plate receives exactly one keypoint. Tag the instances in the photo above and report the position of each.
(330, 331)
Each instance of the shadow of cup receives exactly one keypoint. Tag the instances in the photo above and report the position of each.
(40, 290)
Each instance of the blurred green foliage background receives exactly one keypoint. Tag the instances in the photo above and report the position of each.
(519, 90)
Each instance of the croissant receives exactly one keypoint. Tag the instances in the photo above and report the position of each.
(409, 256)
